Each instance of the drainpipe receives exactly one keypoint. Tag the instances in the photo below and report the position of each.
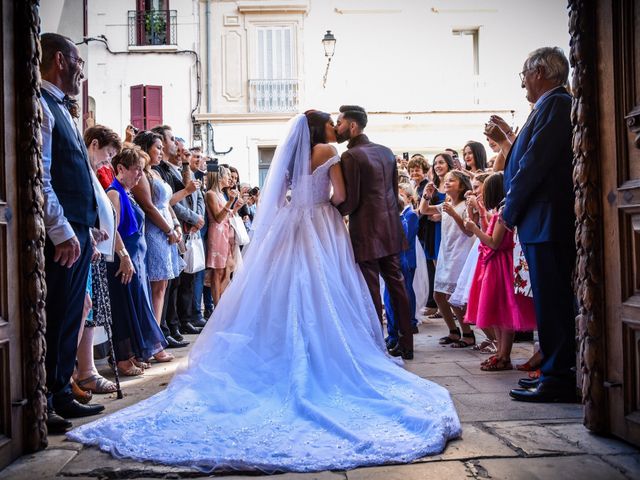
(208, 47)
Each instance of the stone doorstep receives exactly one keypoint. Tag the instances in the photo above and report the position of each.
(556, 468)
(40, 465)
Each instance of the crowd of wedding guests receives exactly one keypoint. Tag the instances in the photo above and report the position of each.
(143, 236)
(474, 273)
(144, 233)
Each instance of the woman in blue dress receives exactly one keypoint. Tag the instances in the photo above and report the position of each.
(136, 334)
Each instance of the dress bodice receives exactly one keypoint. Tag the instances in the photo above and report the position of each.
(161, 193)
(321, 182)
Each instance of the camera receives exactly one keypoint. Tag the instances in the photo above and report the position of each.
(135, 130)
(212, 165)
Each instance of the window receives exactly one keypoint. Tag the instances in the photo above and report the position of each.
(265, 156)
(146, 106)
(463, 61)
(152, 23)
(274, 87)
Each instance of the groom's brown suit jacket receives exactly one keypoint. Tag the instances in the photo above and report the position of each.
(371, 179)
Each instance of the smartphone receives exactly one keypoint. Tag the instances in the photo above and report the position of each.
(405, 155)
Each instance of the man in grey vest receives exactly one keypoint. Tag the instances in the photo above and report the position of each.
(70, 210)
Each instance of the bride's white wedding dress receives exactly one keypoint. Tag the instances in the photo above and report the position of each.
(291, 372)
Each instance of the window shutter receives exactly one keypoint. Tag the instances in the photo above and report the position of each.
(153, 105)
(137, 107)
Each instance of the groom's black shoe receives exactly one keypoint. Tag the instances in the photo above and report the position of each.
(545, 393)
(401, 352)
(529, 382)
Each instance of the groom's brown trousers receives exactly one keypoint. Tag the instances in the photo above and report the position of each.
(389, 268)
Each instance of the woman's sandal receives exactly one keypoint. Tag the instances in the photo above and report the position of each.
(480, 347)
(530, 365)
(462, 344)
(163, 357)
(492, 358)
(435, 315)
(131, 371)
(497, 365)
(140, 363)
(102, 385)
(447, 340)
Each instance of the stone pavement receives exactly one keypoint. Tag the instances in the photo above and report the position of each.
(501, 439)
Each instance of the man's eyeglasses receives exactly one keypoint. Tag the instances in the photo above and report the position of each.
(523, 73)
(78, 60)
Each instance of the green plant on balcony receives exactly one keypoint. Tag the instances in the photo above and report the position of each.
(155, 25)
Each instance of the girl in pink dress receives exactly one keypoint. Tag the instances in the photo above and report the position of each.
(492, 298)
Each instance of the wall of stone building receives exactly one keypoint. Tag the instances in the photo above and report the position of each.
(112, 75)
(400, 60)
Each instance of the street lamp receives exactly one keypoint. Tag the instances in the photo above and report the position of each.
(329, 44)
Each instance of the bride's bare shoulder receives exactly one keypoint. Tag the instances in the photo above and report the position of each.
(321, 153)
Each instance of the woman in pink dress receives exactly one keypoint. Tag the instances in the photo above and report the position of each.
(492, 298)
(220, 236)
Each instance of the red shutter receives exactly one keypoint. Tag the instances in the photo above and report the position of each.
(137, 107)
(153, 105)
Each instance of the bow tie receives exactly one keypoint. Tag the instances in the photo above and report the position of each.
(70, 104)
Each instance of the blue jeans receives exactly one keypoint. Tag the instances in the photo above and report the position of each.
(392, 326)
(200, 294)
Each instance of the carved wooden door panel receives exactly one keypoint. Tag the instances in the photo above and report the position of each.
(618, 27)
(11, 387)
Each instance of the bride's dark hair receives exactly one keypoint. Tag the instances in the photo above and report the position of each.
(317, 121)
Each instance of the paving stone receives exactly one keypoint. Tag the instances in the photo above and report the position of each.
(289, 476)
(430, 370)
(497, 382)
(474, 443)
(454, 384)
(487, 407)
(544, 468)
(416, 471)
(535, 439)
(39, 466)
(93, 462)
(589, 442)
(627, 464)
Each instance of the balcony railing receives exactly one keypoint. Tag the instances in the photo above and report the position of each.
(273, 95)
(153, 27)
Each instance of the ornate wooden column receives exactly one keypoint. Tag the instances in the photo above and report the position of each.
(30, 217)
(586, 177)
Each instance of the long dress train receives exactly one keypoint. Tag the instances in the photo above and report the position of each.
(291, 371)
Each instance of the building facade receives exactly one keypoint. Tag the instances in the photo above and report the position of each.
(428, 75)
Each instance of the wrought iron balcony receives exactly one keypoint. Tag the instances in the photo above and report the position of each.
(279, 95)
(153, 27)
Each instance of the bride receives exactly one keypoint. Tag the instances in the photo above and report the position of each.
(291, 372)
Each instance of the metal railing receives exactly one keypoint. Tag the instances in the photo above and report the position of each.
(279, 95)
(153, 27)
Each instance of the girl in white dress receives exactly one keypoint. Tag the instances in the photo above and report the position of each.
(291, 372)
(455, 244)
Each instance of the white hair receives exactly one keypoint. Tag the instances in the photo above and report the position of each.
(554, 62)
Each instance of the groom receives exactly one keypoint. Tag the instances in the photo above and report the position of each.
(371, 179)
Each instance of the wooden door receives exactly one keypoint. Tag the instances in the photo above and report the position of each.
(618, 80)
(12, 400)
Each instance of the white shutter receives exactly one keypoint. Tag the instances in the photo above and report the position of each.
(275, 53)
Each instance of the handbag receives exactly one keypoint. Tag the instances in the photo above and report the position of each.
(194, 255)
(242, 236)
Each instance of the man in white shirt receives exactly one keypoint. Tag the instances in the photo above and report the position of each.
(70, 210)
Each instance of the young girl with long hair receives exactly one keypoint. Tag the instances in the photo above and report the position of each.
(455, 244)
(493, 302)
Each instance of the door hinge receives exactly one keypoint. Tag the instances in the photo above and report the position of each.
(608, 384)
(19, 403)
